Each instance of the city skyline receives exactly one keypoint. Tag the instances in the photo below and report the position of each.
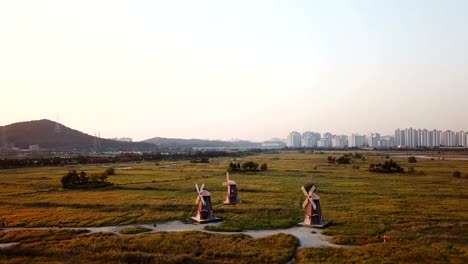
(405, 138)
(243, 69)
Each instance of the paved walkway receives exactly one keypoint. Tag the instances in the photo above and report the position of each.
(308, 237)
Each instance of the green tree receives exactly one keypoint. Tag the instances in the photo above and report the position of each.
(250, 166)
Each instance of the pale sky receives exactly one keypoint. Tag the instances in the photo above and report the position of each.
(235, 69)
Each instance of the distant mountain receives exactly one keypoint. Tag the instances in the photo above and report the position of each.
(176, 143)
(43, 133)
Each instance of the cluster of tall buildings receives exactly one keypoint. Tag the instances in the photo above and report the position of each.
(412, 138)
(310, 139)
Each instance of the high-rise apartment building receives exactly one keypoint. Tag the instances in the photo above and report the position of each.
(448, 138)
(294, 140)
(356, 141)
(309, 139)
(339, 141)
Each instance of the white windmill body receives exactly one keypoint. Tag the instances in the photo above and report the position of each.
(313, 215)
(205, 210)
(232, 196)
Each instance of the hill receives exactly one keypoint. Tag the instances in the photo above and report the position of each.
(176, 143)
(43, 133)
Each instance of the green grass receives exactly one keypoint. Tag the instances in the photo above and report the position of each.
(424, 211)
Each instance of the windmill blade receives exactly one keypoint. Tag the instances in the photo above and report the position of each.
(202, 186)
(227, 177)
(198, 199)
(304, 204)
(312, 189)
(203, 200)
(313, 204)
(304, 191)
(196, 187)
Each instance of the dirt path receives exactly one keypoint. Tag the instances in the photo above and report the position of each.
(308, 237)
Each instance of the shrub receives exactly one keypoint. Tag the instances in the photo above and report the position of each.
(412, 159)
(250, 166)
(75, 179)
(263, 167)
(388, 166)
(411, 170)
(456, 174)
(110, 171)
(343, 160)
(233, 167)
(358, 156)
(103, 177)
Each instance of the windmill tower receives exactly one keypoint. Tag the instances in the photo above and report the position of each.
(205, 210)
(313, 215)
(232, 197)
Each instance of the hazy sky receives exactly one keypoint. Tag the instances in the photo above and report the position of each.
(235, 69)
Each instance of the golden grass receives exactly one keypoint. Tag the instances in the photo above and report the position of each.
(421, 211)
(183, 247)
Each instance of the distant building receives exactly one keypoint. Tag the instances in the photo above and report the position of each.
(34, 147)
(123, 139)
(373, 140)
(324, 143)
(309, 139)
(386, 142)
(339, 142)
(294, 140)
(448, 139)
(460, 139)
(356, 141)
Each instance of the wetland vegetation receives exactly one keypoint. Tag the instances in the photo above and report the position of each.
(424, 215)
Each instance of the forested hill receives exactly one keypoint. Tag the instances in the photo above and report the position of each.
(43, 133)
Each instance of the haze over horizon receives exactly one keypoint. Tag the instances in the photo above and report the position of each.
(222, 70)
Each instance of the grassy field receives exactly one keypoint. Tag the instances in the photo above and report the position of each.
(425, 214)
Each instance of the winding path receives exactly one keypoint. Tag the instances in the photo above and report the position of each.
(308, 237)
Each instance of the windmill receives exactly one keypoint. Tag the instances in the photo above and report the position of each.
(205, 210)
(313, 215)
(232, 197)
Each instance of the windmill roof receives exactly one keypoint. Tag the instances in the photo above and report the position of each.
(206, 193)
(230, 182)
(315, 196)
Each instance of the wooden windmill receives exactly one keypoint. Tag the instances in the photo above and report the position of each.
(205, 210)
(313, 215)
(232, 197)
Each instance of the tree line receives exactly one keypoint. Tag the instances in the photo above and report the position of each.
(74, 179)
(8, 163)
(248, 166)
